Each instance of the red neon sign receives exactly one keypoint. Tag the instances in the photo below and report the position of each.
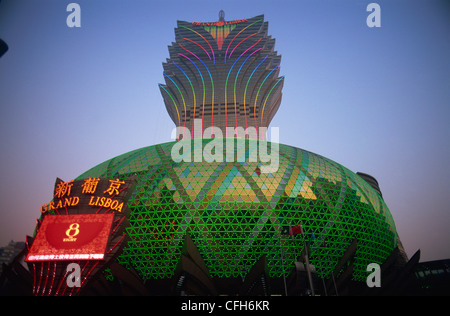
(219, 23)
(71, 237)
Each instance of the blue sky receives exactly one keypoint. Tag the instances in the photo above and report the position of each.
(375, 100)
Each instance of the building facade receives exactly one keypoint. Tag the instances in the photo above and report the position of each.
(213, 226)
(224, 74)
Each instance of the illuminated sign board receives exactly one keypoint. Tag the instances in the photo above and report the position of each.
(88, 196)
(219, 23)
(85, 222)
(71, 237)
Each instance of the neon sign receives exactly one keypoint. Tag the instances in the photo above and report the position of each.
(91, 194)
(85, 221)
(71, 237)
(219, 23)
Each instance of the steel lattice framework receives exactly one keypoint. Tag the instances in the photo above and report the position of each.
(234, 213)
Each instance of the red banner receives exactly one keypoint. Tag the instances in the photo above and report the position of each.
(71, 237)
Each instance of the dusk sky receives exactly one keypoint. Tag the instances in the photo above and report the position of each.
(376, 100)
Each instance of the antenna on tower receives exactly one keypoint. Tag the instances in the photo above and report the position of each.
(221, 15)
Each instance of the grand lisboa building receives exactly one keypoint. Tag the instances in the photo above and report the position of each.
(217, 221)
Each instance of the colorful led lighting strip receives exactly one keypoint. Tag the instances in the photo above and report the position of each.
(212, 85)
(246, 86)
(193, 93)
(46, 278)
(187, 39)
(84, 279)
(174, 103)
(226, 52)
(204, 91)
(257, 94)
(262, 113)
(61, 282)
(182, 97)
(240, 43)
(226, 85)
(235, 81)
(214, 57)
(53, 279)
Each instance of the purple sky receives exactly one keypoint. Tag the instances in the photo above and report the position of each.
(376, 100)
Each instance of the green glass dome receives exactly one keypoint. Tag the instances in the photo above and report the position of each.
(235, 213)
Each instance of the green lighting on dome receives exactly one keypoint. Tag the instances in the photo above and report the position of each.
(235, 214)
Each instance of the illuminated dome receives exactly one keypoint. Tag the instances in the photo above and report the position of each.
(234, 213)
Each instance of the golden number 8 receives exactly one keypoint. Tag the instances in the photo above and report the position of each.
(74, 229)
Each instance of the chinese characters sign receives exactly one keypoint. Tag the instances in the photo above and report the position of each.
(85, 221)
(88, 196)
